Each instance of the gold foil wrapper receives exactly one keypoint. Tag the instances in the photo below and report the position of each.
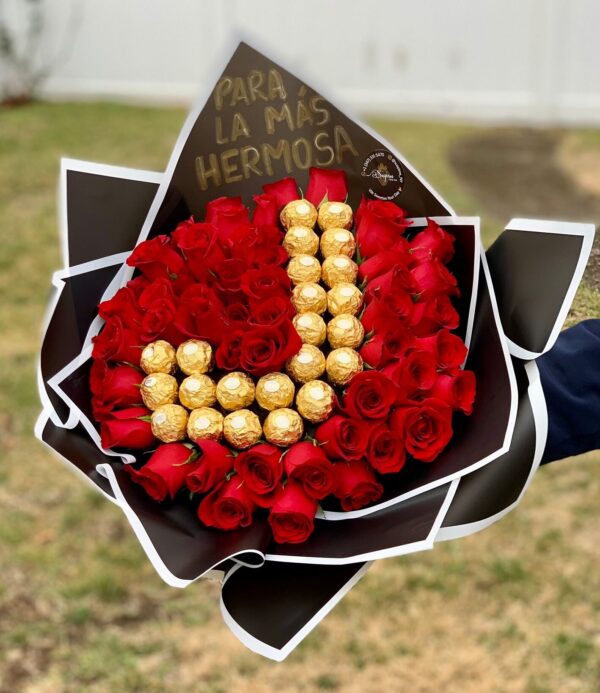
(197, 390)
(274, 391)
(304, 268)
(335, 215)
(205, 423)
(242, 429)
(235, 391)
(169, 423)
(301, 240)
(337, 241)
(345, 330)
(298, 213)
(158, 389)
(309, 297)
(315, 401)
(194, 356)
(343, 364)
(344, 298)
(283, 427)
(311, 327)
(338, 269)
(307, 364)
(158, 357)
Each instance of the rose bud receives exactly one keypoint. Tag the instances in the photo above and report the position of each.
(117, 343)
(343, 438)
(414, 375)
(157, 258)
(448, 350)
(428, 317)
(266, 210)
(284, 191)
(379, 224)
(357, 485)
(383, 262)
(458, 390)
(261, 470)
(426, 429)
(308, 465)
(114, 387)
(433, 278)
(370, 395)
(326, 183)
(385, 452)
(211, 468)
(166, 470)
(127, 428)
(292, 515)
(227, 214)
(229, 506)
(432, 242)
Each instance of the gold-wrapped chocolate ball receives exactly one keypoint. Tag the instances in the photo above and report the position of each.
(158, 389)
(337, 241)
(283, 427)
(344, 298)
(194, 356)
(307, 364)
(298, 213)
(197, 390)
(169, 423)
(338, 269)
(158, 357)
(304, 268)
(311, 327)
(300, 240)
(343, 364)
(315, 401)
(335, 215)
(309, 297)
(274, 391)
(235, 391)
(242, 429)
(345, 330)
(205, 423)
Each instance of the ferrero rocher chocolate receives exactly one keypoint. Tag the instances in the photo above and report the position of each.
(235, 391)
(298, 213)
(343, 364)
(169, 423)
(315, 401)
(309, 296)
(338, 269)
(275, 390)
(242, 428)
(158, 357)
(205, 423)
(304, 268)
(197, 390)
(344, 298)
(335, 215)
(194, 356)
(337, 241)
(307, 364)
(283, 427)
(301, 240)
(158, 389)
(345, 330)
(311, 328)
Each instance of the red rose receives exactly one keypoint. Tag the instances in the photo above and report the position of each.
(382, 262)
(138, 284)
(370, 395)
(127, 429)
(343, 438)
(308, 465)
(398, 279)
(261, 470)
(211, 468)
(157, 323)
(260, 284)
(226, 213)
(264, 256)
(265, 349)
(114, 387)
(426, 429)
(386, 452)
(229, 506)
(162, 288)
(458, 390)
(266, 210)
(292, 517)
(117, 343)
(386, 309)
(428, 317)
(433, 278)
(229, 351)
(448, 350)
(356, 485)
(327, 184)
(200, 314)
(199, 244)
(387, 345)
(227, 277)
(236, 315)
(414, 375)
(123, 305)
(165, 472)
(379, 225)
(271, 311)
(284, 191)
(432, 242)
(157, 258)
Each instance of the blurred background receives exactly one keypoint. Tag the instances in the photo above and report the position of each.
(497, 104)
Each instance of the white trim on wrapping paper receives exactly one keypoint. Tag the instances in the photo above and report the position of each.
(278, 655)
(540, 417)
(586, 231)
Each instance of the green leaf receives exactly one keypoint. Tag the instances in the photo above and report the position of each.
(323, 201)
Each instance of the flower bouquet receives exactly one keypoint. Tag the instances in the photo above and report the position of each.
(288, 349)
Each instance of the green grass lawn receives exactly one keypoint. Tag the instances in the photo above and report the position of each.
(512, 609)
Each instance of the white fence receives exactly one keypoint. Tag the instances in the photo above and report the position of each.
(519, 60)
